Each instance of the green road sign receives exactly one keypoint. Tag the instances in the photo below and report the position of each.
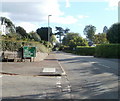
(29, 51)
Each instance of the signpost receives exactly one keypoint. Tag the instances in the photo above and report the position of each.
(29, 52)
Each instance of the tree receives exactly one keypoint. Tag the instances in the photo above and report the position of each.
(43, 33)
(61, 32)
(68, 37)
(35, 36)
(89, 31)
(22, 32)
(113, 34)
(105, 29)
(100, 38)
(73, 40)
(77, 41)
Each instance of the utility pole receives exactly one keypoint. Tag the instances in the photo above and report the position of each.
(49, 27)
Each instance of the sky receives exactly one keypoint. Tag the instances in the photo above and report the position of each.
(72, 14)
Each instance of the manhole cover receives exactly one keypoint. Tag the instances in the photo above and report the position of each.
(49, 70)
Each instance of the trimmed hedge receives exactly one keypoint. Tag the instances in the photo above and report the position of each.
(81, 50)
(108, 51)
(103, 50)
(85, 50)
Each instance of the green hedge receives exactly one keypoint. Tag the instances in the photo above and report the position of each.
(103, 50)
(108, 51)
(81, 50)
(84, 50)
(8, 45)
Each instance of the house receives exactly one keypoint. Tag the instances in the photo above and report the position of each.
(4, 28)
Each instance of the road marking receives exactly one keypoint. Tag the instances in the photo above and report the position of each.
(104, 65)
(49, 70)
(100, 64)
(64, 73)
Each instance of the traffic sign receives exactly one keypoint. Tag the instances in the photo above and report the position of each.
(29, 51)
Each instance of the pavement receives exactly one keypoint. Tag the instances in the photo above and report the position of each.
(34, 68)
(25, 80)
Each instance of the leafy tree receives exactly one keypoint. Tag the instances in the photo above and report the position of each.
(43, 33)
(8, 23)
(61, 32)
(113, 34)
(35, 36)
(77, 41)
(22, 32)
(73, 40)
(89, 31)
(100, 38)
(105, 29)
(68, 37)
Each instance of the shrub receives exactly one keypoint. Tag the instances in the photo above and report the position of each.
(8, 45)
(108, 51)
(85, 50)
(67, 49)
(81, 50)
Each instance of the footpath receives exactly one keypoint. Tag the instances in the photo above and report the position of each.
(48, 67)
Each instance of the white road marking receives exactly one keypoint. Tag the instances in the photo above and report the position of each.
(49, 70)
(104, 65)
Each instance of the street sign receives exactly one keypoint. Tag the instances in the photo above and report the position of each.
(29, 51)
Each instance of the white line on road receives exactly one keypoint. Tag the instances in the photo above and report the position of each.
(49, 69)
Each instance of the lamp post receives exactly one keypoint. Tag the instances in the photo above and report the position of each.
(49, 26)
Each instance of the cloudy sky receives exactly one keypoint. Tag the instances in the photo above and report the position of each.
(72, 14)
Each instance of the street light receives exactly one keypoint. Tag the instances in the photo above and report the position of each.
(48, 26)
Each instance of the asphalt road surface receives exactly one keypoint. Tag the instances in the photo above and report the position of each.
(86, 78)
(89, 77)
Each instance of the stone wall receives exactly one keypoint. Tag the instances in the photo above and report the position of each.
(17, 56)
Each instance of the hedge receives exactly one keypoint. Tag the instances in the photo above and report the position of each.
(103, 50)
(9, 45)
(85, 50)
(81, 50)
(108, 51)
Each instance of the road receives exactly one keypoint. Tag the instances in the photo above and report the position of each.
(86, 78)
(89, 77)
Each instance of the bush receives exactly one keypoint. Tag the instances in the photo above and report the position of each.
(8, 45)
(85, 50)
(67, 49)
(108, 51)
(80, 50)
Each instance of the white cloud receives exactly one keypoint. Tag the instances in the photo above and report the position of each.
(27, 26)
(112, 5)
(67, 3)
(3, 14)
(82, 16)
(26, 14)
(27, 11)
(64, 20)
